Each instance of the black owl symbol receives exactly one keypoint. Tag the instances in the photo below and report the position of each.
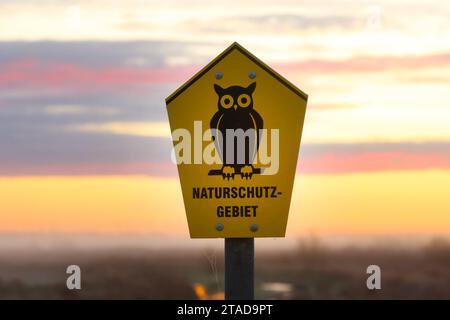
(236, 112)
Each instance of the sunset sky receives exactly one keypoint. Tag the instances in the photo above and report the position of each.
(84, 136)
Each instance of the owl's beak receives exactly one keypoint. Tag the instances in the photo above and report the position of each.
(235, 107)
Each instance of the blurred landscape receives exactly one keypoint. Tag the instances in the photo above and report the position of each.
(309, 270)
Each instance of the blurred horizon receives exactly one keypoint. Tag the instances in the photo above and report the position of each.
(29, 242)
(311, 269)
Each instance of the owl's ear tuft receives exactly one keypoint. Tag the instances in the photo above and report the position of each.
(218, 89)
(251, 87)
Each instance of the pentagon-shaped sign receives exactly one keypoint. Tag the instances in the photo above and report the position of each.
(236, 129)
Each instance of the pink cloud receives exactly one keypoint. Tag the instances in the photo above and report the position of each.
(89, 169)
(366, 64)
(372, 161)
(323, 163)
(36, 73)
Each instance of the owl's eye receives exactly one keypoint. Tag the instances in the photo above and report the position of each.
(244, 100)
(226, 101)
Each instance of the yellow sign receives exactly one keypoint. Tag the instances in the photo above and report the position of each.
(236, 129)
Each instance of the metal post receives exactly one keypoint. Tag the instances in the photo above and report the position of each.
(239, 265)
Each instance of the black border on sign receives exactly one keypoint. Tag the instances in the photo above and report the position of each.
(245, 52)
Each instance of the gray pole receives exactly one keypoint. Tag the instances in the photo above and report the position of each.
(239, 264)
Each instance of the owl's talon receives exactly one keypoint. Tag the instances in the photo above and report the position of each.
(247, 172)
(228, 172)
